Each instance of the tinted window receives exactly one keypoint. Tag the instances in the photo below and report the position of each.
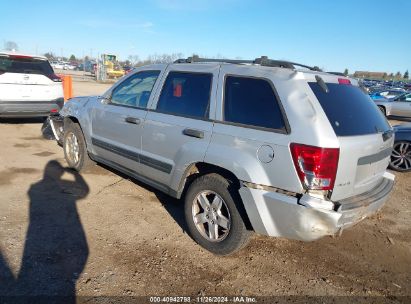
(135, 91)
(26, 65)
(404, 97)
(349, 110)
(186, 94)
(252, 102)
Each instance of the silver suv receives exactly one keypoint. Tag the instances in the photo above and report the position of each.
(250, 145)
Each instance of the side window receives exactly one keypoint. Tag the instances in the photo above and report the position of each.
(252, 102)
(135, 91)
(186, 94)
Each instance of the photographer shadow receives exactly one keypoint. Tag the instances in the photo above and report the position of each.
(56, 249)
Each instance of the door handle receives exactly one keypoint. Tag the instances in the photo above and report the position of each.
(133, 120)
(193, 133)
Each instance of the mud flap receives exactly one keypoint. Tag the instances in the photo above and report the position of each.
(56, 123)
(47, 131)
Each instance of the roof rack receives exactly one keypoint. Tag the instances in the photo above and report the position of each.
(263, 61)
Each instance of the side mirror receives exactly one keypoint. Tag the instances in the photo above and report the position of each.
(104, 100)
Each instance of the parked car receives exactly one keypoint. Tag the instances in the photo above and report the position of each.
(80, 67)
(399, 106)
(387, 94)
(392, 93)
(57, 65)
(401, 154)
(69, 66)
(376, 96)
(127, 69)
(28, 86)
(250, 145)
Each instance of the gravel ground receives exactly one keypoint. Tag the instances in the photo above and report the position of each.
(101, 233)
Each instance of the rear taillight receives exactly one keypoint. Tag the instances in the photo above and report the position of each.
(344, 81)
(54, 77)
(316, 167)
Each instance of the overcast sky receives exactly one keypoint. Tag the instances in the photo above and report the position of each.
(358, 35)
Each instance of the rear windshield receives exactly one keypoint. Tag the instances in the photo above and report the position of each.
(350, 111)
(25, 65)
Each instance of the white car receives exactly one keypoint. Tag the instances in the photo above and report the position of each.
(68, 66)
(57, 65)
(28, 86)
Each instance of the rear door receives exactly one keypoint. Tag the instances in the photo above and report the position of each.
(24, 78)
(364, 135)
(251, 133)
(177, 130)
(117, 122)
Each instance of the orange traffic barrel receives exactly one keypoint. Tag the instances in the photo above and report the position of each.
(67, 82)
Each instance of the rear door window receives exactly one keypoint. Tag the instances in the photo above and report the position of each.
(350, 111)
(252, 102)
(25, 65)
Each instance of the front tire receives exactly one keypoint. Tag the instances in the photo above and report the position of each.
(75, 149)
(213, 217)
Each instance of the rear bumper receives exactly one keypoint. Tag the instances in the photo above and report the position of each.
(29, 108)
(309, 218)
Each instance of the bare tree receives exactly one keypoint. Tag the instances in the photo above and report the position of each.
(11, 46)
(49, 55)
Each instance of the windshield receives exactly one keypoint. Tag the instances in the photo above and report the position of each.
(350, 111)
(26, 65)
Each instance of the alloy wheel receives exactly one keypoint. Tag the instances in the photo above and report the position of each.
(211, 216)
(401, 156)
(72, 148)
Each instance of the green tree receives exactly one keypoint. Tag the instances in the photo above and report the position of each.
(398, 75)
(72, 58)
(346, 72)
(406, 76)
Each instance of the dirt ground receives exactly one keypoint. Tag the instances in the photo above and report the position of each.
(101, 233)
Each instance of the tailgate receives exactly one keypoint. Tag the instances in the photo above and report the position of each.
(364, 135)
(362, 163)
(24, 87)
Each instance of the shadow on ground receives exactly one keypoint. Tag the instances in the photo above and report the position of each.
(56, 249)
(173, 206)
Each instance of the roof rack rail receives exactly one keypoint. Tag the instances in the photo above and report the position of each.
(263, 61)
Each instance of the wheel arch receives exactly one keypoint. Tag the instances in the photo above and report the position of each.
(83, 127)
(198, 169)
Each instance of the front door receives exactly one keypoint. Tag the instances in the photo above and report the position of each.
(117, 122)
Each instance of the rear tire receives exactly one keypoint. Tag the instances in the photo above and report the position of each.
(401, 156)
(213, 217)
(75, 149)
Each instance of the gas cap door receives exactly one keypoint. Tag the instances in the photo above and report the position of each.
(265, 154)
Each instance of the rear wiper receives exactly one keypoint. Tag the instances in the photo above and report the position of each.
(322, 84)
